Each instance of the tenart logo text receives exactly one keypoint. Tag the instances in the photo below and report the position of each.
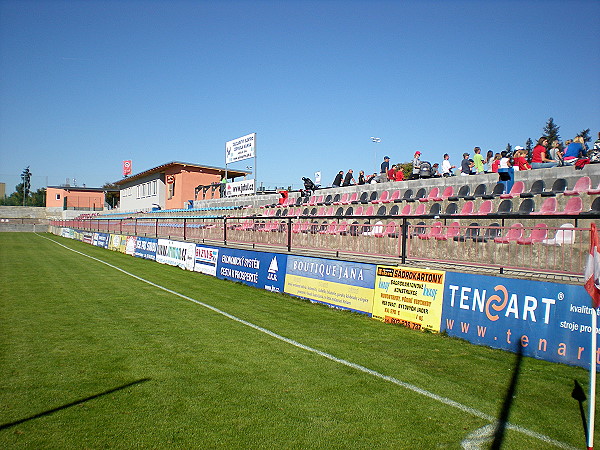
(502, 303)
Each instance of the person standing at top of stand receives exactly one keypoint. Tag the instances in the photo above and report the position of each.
(348, 179)
(416, 170)
(337, 181)
(478, 160)
(385, 167)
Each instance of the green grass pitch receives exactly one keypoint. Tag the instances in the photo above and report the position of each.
(91, 357)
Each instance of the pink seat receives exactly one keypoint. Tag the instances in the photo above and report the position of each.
(343, 199)
(515, 232)
(581, 186)
(390, 230)
(392, 198)
(382, 198)
(433, 193)
(594, 191)
(353, 198)
(369, 211)
(420, 209)
(516, 190)
(359, 211)
(548, 207)
(467, 208)
(574, 206)
(434, 231)
(538, 234)
(452, 230)
(485, 207)
(448, 192)
(406, 210)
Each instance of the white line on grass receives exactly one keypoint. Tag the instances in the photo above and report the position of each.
(411, 387)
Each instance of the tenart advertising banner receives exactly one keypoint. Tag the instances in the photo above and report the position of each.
(548, 321)
(409, 296)
(206, 260)
(130, 245)
(347, 285)
(240, 148)
(262, 270)
(175, 253)
(145, 247)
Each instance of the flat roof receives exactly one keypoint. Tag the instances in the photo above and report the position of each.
(163, 167)
(83, 188)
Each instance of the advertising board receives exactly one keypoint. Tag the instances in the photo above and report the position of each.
(549, 321)
(175, 253)
(243, 187)
(241, 148)
(258, 269)
(343, 284)
(206, 260)
(145, 247)
(409, 296)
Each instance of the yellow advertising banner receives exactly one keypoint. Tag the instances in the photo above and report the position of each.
(409, 296)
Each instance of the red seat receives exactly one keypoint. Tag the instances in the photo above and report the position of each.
(594, 191)
(433, 193)
(548, 207)
(452, 230)
(516, 190)
(581, 186)
(343, 199)
(448, 192)
(420, 209)
(467, 208)
(515, 232)
(435, 230)
(353, 198)
(538, 234)
(392, 198)
(382, 198)
(406, 210)
(574, 206)
(485, 207)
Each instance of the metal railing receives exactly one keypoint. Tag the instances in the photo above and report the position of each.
(535, 243)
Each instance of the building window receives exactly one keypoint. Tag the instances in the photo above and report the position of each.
(57, 196)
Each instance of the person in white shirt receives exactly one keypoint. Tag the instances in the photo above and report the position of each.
(447, 167)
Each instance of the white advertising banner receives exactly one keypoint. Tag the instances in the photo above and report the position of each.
(244, 187)
(206, 260)
(240, 148)
(176, 253)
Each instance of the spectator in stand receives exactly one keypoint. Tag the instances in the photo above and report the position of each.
(399, 176)
(337, 181)
(349, 179)
(597, 143)
(478, 160)
(520, 159)
(385, 166)
(556, 153)
(539, 160)
(361, 177)
(504, 161)
(447, 167)
(416, 164)
(496, 162)
(391, 175)
(487, 162)
(576, 149)
(435, 171)
(465, 165)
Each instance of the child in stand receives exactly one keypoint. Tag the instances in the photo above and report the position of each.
(520, 160)
(496, 163)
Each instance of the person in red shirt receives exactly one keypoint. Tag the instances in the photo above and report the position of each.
(399, 176)
(392, 173)
(520, 160)
(496, 162)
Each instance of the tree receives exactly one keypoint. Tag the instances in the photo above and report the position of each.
(26, 178)
(585, 134)
(529, 148)
(551, 131)
(508, 148)
(111, 194)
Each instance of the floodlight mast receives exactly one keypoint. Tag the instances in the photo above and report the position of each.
(375, 140)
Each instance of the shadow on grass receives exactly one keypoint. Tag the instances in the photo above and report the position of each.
(579, 395)
(508, 400)
(75, 403)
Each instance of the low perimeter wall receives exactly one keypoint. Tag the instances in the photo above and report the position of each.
(546, 320)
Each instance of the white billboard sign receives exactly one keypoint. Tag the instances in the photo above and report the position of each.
(243, 187)
(240, 148)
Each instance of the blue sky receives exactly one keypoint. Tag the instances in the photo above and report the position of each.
(85, 85)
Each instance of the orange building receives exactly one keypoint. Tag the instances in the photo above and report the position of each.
(172, 186)
(75, 198)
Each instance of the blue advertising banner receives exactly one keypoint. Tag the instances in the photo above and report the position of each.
(145, 247)
(101, 240)
(343, 284)
(262, 270)
(549, 321)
